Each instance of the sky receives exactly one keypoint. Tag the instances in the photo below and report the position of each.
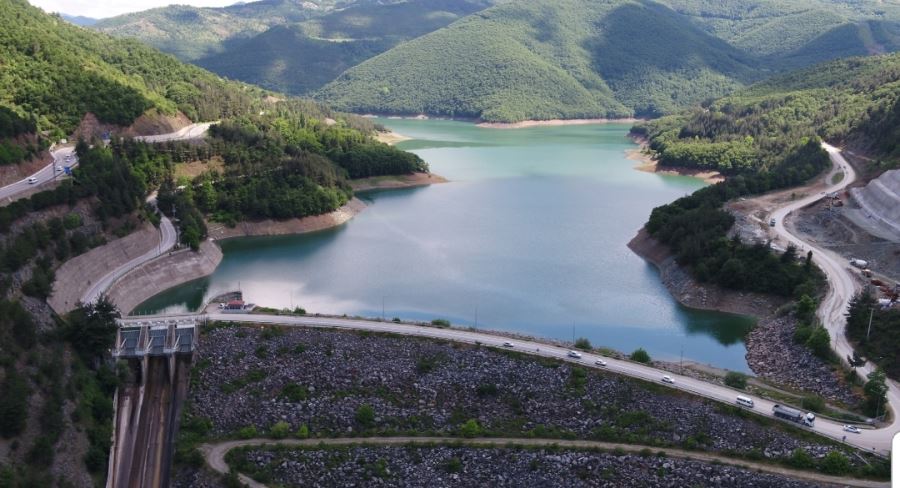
(99, 9)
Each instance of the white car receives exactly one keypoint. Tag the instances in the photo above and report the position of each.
(32, 180)
(852, 428)
(573, 354)
(668, 379)
(507, 344)
(600, 362)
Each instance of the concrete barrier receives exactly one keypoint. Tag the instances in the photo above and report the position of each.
(880, 202)
(78, 273)
(162, 273)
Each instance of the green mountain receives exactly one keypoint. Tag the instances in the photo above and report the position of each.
(301, 58)
(193, 32)
(580, 58)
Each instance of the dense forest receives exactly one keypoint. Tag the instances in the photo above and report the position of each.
(506, 61)
(576, 58)
(852, 100)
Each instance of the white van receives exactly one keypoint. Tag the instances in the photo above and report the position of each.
(744, 401)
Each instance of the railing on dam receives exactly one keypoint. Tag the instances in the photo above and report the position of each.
(136, 339)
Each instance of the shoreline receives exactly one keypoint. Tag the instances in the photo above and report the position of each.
(524, 124)
(391, 138)
(649, 164)
(397, 182)
(270, 227)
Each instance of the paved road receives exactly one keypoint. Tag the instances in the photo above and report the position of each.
(215, 453)
(843, 286)
(866, 440)
(167, 242)
(45, 174)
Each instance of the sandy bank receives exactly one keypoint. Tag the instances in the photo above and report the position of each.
(649, 164)
(392, 182)
(553, 123)
(163, 273)
(78, 273)
(390, 137)
(291, 226)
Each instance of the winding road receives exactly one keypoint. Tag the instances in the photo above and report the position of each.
(215, 453)
(47, 173)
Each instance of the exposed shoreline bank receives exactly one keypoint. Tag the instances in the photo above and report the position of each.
(390, 137)
(396, 182)
(554, 123)
(649, 164)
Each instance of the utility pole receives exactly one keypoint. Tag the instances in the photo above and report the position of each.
(681, 361)
(869, 330)
(573, 332)
(382, 308)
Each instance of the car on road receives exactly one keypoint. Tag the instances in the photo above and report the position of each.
(600, 362)
(852, 428)
(668, 379)
(58, 168)
(32, 180)
(772, 223)
(507, 344)
(574, 354)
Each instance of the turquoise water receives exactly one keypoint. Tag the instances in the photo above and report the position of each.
(530, 235)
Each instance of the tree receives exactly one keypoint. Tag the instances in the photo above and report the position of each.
(365, 415)
(583, 343)
(835, 463)
(13, 404)
(640, 355)
(875, 392)
(470, 428)
(806, 309)
(801, 459)
(280, 430)
(736, 380)
(819, 342)
(302, 432)
(92, 328)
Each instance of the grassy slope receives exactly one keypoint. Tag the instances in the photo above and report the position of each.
(705, 50)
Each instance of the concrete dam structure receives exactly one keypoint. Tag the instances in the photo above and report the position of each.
(148, 407)
(879, 206)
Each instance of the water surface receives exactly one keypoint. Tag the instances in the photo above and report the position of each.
(529, 236)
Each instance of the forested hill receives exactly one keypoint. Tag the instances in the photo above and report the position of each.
(581, 58)
(854, 100)
(53, 73)
(765, 138)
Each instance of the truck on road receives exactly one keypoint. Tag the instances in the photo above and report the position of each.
(794, 415)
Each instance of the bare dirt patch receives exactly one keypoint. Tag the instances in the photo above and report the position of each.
(194, 169)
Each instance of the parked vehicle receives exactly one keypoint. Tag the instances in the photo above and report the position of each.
(744, 401)
(794, 415)
(859, 263)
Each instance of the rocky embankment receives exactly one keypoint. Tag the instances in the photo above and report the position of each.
(248, 377)
(771, 350)
(468, 466)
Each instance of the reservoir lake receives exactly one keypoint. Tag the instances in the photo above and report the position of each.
(528, 236)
